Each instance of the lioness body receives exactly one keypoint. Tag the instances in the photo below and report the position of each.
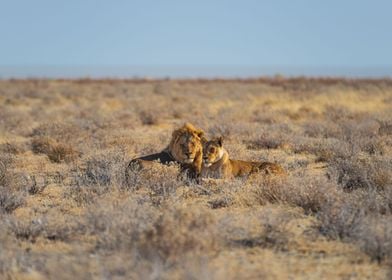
(217, 163)
(185, 148)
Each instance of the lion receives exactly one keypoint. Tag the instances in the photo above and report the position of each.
(185, 148)
(217, 163)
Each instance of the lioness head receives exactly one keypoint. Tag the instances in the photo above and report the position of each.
(212, 151)
(186, 144)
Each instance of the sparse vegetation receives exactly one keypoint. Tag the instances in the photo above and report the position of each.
(67, 212)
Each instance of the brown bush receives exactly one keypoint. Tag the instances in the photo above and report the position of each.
(56, 151)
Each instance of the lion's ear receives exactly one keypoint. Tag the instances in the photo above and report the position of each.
(220, 141)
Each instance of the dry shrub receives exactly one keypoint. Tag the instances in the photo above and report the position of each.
(96, 175)
(374, 236)
(326, 149)
(343, 138)
(104, 168)
(362, 217)
(56, 151)
(265, 228)
(181, 230)
(167, 233)
(350, 223)
(363, 172)
(99, 171)
(321, 129)
(10, 199)
(362, 202)
(10, 195)
(272, 137)
(52, 228)
(12, 179)
(36, 188)
(308, 193)
(12, 148)
(160, 180)
(84, 195)
(339, 217)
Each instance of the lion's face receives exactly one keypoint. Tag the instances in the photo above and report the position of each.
(186, 144)
(212, 151)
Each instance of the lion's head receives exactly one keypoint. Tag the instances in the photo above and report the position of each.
(212, 151)
(186, 144)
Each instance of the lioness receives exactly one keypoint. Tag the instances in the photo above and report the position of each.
(217, 163)
(185, 148)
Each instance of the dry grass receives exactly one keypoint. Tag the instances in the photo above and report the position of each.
(66, 211)
(56, 152)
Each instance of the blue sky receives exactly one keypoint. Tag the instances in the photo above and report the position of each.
(295, 33)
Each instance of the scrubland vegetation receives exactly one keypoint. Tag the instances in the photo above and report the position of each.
(66, 211)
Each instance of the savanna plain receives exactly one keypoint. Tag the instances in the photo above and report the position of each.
(67, 212)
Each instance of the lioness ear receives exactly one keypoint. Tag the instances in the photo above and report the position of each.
(220, 141)
(189, 126)
(200, 133)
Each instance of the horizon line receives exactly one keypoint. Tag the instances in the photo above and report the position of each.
(190, 71)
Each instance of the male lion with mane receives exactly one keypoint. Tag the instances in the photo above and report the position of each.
(184, 148)
(217, 163)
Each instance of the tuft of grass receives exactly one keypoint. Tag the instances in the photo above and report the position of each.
(56, 151)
